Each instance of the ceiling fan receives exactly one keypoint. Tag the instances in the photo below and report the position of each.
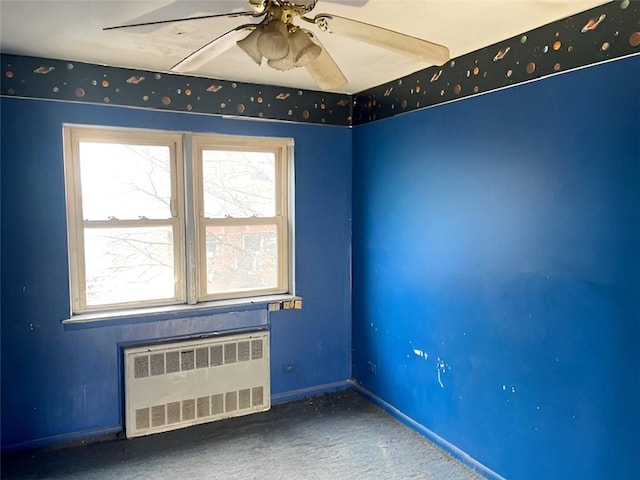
(286, 45)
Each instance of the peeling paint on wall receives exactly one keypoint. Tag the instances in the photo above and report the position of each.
(442, 368)
(420, 353)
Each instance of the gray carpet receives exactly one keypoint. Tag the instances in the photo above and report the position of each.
(334, 436)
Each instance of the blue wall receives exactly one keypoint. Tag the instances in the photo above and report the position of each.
(61, 383)
(497, 273)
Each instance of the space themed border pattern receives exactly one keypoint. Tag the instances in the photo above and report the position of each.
(32, 77)
(602, 33)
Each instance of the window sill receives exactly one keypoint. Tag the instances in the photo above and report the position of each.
(150, 314)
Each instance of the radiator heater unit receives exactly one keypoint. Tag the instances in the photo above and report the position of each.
(176, 385)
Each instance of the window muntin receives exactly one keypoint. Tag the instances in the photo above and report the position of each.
(128, 232)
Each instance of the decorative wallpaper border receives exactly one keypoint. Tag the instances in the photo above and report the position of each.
(34, 77)
(603, 33)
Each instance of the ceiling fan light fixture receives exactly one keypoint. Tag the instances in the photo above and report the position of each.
(273, 43)
(249, 45)
(303, 49)
(284, 64)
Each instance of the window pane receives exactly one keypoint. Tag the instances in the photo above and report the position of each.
(129, 264)
(238, 184)
(125, 181)
(241, 258)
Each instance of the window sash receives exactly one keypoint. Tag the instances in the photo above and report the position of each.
(176, 267)
(282, 282)
(77, 225)
(222, 143)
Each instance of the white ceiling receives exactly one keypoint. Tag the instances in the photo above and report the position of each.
(72, 30)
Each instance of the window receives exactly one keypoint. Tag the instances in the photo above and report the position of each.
(242, 193)
(150, 225)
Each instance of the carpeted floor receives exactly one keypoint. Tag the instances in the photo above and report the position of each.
(334, 437)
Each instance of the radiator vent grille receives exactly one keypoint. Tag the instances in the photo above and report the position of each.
(204, 357)
(157, 364)
(181, 384)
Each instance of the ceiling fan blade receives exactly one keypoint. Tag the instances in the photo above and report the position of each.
(398, 42)
(325, 70)
(215, 47)
(187, 19)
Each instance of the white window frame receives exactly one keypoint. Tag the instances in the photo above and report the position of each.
(187, 213)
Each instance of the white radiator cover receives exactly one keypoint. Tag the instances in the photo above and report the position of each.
(175, 385)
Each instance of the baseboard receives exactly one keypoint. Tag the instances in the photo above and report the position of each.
(109, 433)
(310, 391)
(460, 455)
(67, 439)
